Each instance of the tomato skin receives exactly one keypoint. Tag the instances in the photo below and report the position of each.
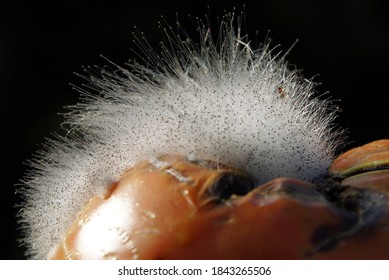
(139, 213)
(365, 167)
(370, 155)
(169, 210)
(256, 228)
(283, 229)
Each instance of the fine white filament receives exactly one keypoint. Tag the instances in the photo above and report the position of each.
(219, 99)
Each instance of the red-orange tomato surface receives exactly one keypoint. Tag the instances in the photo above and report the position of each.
(173, 211)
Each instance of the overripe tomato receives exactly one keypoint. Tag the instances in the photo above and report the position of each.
(177, 208)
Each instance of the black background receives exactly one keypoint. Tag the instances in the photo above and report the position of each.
(345, 42)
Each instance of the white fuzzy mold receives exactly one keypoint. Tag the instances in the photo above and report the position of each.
(219, 99)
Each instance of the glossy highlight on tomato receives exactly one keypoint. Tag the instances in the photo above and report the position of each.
(175, 207)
